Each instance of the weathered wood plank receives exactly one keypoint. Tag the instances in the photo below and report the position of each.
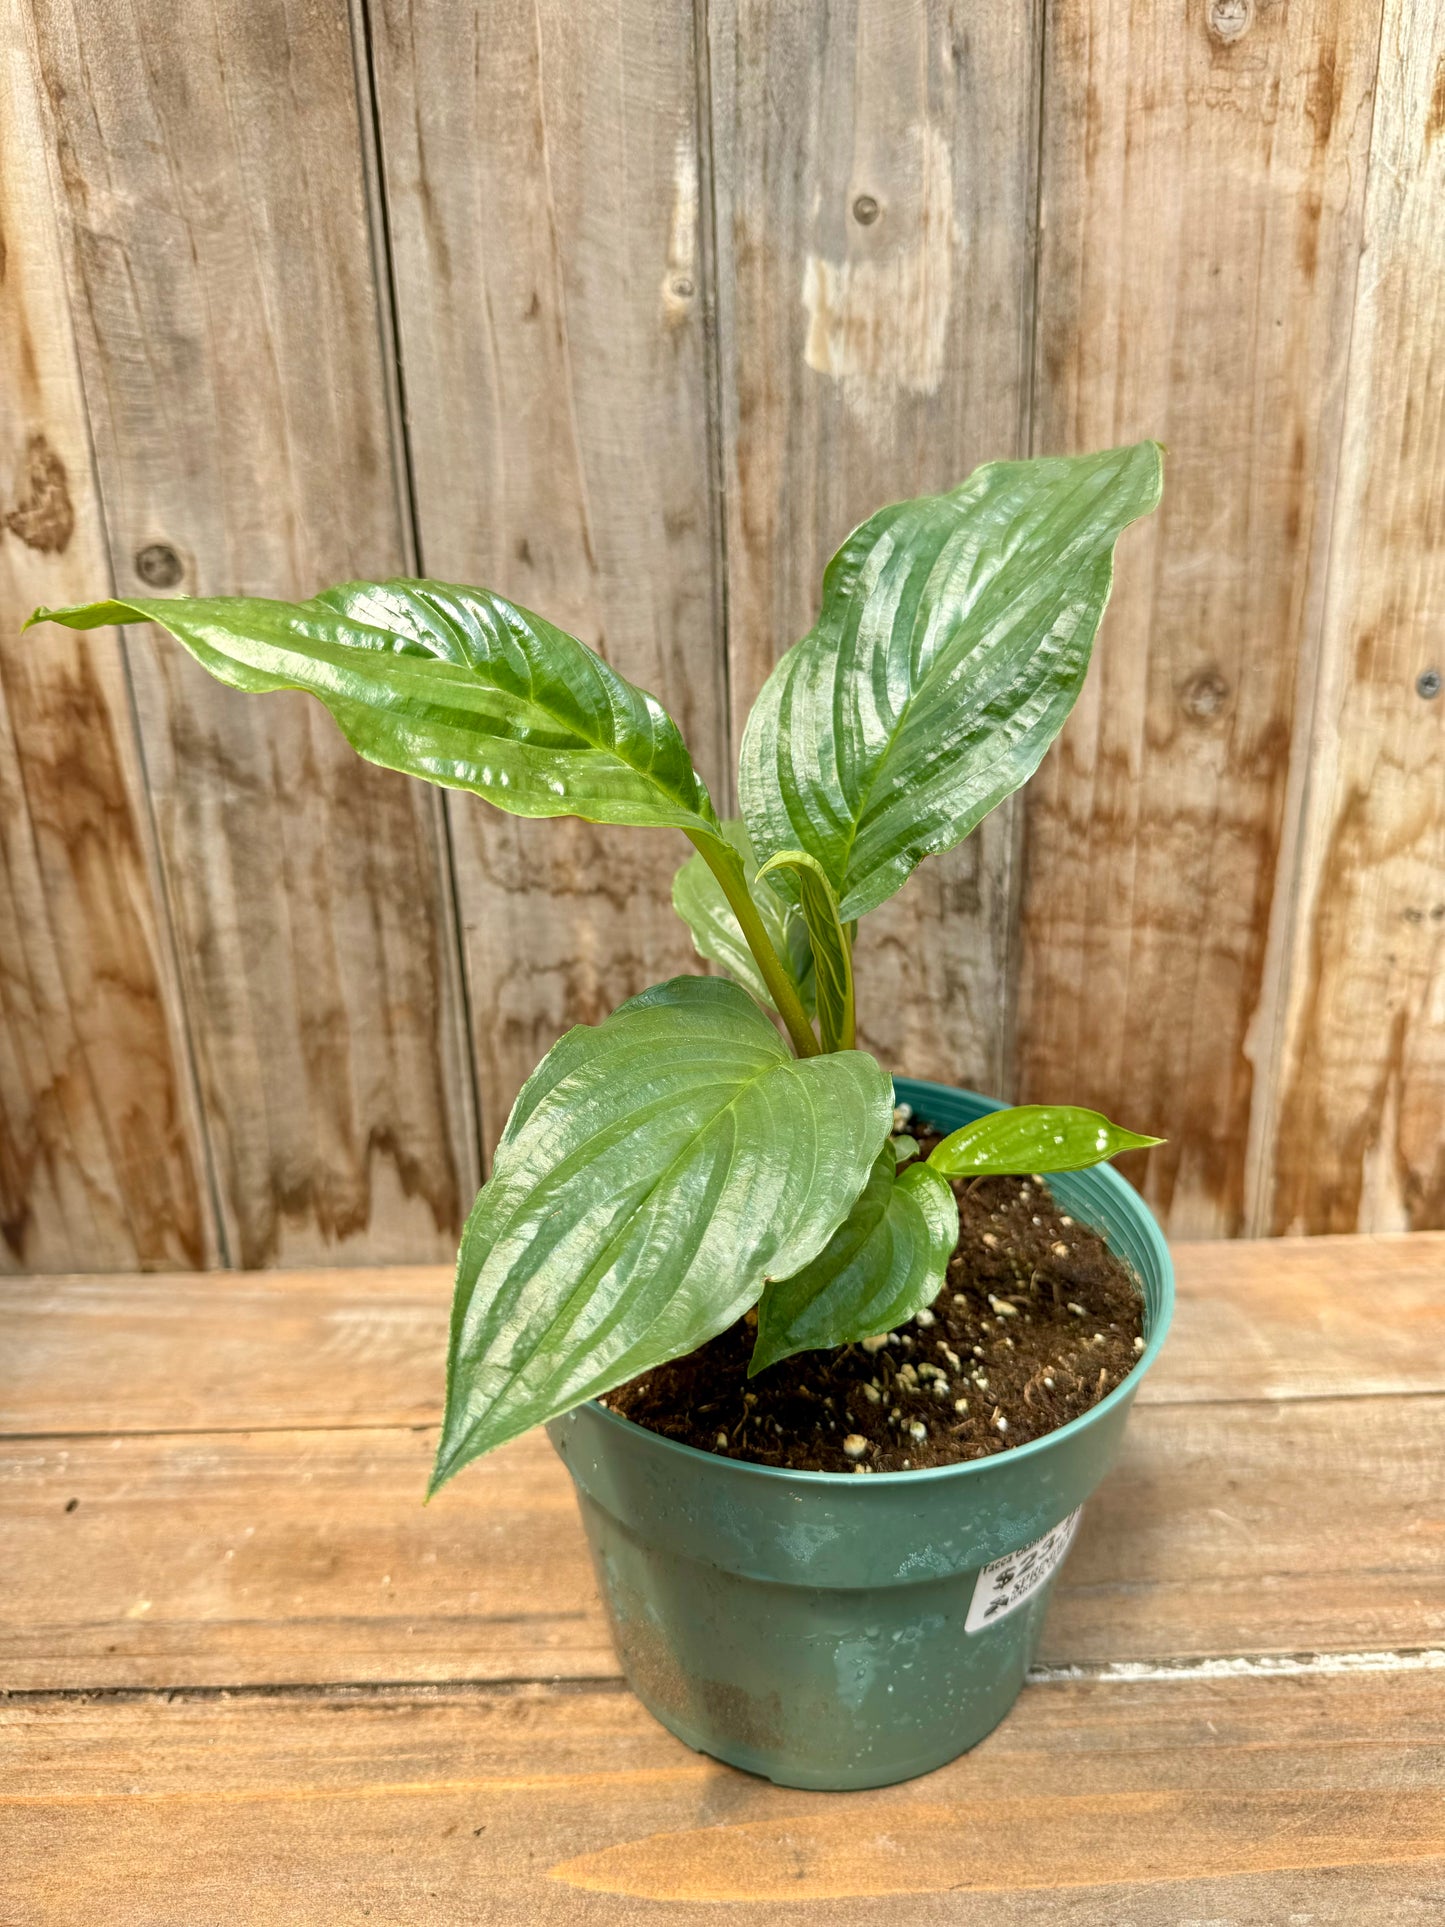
(1154, 1804)
(215, 1559)
(221, 271)
(1358, 1132)
(198, 1353)
(290, 1557)
(1291, 1318)
(101, 1158)
(1305, 1318)
(875, 265)
(1201, 196)
(543, 188)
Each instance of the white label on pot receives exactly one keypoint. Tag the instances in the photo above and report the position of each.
(1008, 1583)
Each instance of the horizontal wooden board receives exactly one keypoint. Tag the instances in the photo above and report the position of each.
(223, 1352)
(1294, 1318)
(1156, 1804)
(215, 1559)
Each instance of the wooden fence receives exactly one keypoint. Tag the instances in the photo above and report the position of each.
(631, 311)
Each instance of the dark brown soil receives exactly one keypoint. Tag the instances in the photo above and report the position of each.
(978, 1378)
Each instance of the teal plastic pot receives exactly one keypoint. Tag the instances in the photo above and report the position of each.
(832, 1631)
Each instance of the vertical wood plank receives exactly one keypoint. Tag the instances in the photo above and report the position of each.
(1358, 1134)
(542, 173)
(101, 1158)
(1201, 198)
(875, 187)
(212, 165)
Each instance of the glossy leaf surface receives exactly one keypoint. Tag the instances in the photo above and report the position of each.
(698, 898)
(885, 1262)
(656, 1171)
(953, 641)
(829, 942)
(451, 684)
(1033, 1137)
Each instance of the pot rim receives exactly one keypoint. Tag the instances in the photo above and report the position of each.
(1123, 1391)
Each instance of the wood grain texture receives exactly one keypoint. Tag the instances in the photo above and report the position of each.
(1359, 1120)
(1202, 190)
(102, 1164)
(875, 186)
(251, 1558)
(1282, 1319)
(1154, 1804)
(542, 174)
(211, 167)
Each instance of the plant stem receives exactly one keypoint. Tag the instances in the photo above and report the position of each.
(727, 868)
(848, 1038)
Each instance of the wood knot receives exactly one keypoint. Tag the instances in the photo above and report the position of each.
(1204, 695)
(1230, 20)
(158, 565)
(43, 516)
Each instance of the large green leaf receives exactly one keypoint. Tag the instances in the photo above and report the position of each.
(698, 899)
(1033, 1137)
(656, 1172)
(953, 640)
(451, 684)
(829, 942)
(886, 1261)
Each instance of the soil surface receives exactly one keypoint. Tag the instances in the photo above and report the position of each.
(1038, 1321)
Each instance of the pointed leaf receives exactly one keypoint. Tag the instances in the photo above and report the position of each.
(451, 684)
(698, 899)
(1033, 1137)
(886, 1261)
(829, 942)
(953, 640)
(650, 1181)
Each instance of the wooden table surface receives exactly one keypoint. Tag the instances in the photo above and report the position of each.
(248, 1678)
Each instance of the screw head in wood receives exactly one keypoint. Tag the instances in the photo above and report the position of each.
(1429, 683)
(865, 210)
(158, 565)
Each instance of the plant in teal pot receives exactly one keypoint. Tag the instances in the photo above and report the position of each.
(834, 1357)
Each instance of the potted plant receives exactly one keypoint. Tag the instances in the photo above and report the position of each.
(699, 1221)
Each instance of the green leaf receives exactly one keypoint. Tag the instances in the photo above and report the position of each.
(451, 684)
(658, 1169)
(698, 899)
(1033, 1137)
(953, 640)
(887, 1260)
(829, 942)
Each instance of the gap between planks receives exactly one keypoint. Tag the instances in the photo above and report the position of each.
(1422, 1659)
(316, 1427)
